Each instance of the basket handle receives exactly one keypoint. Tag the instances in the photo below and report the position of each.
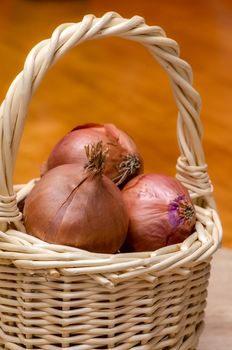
(191, 167)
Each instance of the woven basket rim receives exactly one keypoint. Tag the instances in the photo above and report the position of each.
(28, 252)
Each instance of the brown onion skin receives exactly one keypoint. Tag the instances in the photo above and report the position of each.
(152, 201)
(70, 149)
(94, 217)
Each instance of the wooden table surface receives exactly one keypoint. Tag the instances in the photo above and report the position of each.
(117, 81)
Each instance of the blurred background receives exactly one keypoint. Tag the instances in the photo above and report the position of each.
(117, 81)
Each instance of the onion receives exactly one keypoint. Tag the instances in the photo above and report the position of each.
(160, 212)
(77, 206)
(122, 160)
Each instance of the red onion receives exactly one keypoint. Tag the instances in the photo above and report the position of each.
(78, 207)
(122, 161)
(160, 212)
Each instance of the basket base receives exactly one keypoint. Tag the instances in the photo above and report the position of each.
(189, 344)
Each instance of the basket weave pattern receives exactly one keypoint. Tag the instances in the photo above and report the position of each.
(54, 296)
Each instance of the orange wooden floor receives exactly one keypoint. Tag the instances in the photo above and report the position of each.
(117, 81)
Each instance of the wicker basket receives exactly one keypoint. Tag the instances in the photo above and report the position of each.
(53, 296)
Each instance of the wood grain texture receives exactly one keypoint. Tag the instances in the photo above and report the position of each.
(117, 81)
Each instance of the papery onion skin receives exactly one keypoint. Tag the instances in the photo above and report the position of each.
(70, 207)
(123, 160)
(160, 212)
